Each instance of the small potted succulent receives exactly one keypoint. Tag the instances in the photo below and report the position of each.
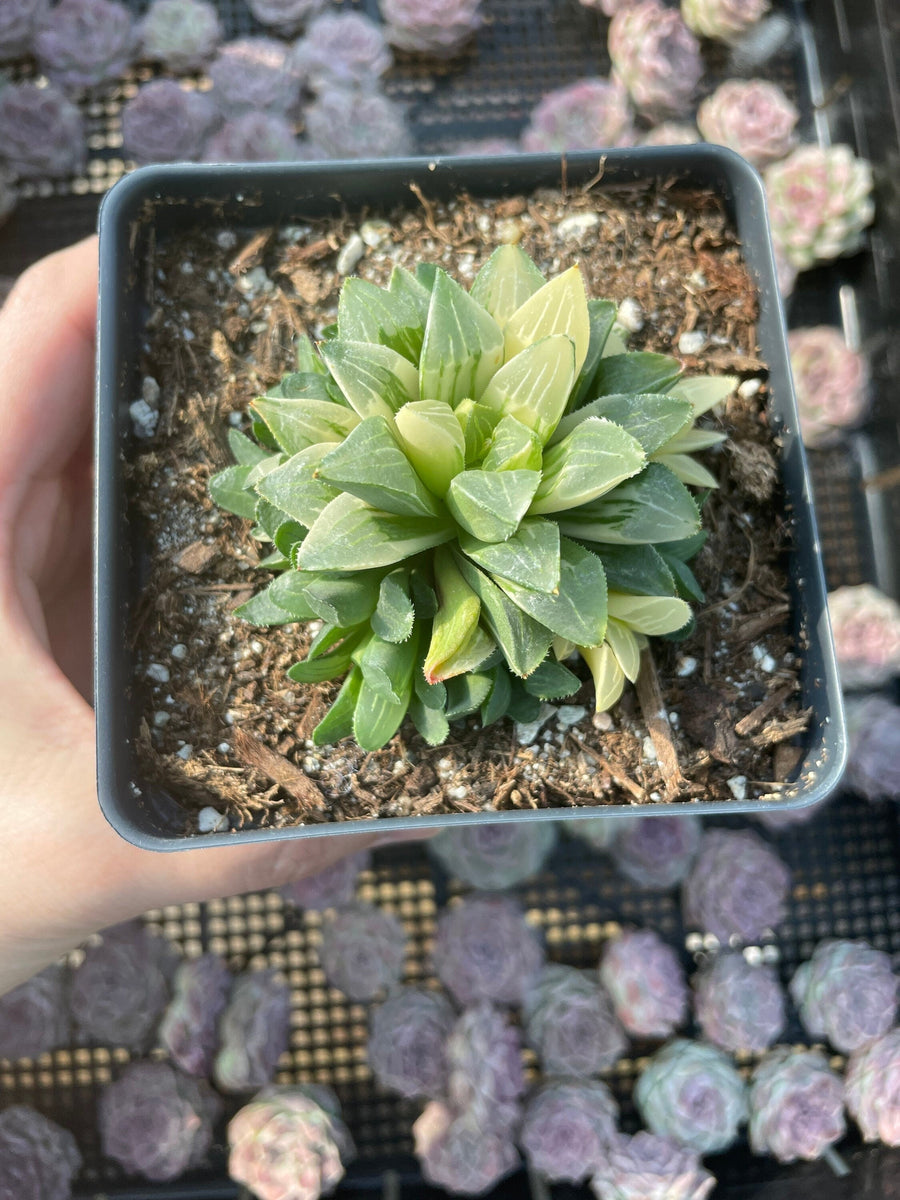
(467, 490)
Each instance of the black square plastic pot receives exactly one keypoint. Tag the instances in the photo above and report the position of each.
(158, 201)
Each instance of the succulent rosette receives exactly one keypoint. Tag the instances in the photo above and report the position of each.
(156, 1121)
(255, 75)
(866, 627)
(671, 133)
(830, 380)
(332, 888)
(86, 43)
(484, 1060)
(166, 123)
(737, 888)
(656, 57)
(567, 1129)
(180, 34)
(820, 202)
(343, 123)
(38, 1158)
(122, 987)
(407, 1044)
(34, 1017)
(648, 1167)
(589, 114)
(796, 1105)
(645, 980)
(752, 117)
(723, 20)
(691, 1093)
(739, 1006)
(344, 49)
(363, 950)
(872, 1089)
(253, 137)
(494, 856)
(570, 1023)
(463, 482)
(254, 1032)
(286, 17)
(484, 949)
(847, 992)
(189, 1030)
(789, 818)
(456, 1153)
(873, 765)
(41, 131)
(289, 1143)
(657, 852)
(436, 27)
(19, 21)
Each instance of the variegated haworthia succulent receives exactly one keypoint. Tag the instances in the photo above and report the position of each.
(466, 487)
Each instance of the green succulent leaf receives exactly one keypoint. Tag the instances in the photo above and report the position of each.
(295, 487)
(377, 717)
(423, 594)
(534, 386)
(478, 424)
(431, 723)
(346, 601)
(653, 615)
(552, 681)
(616, 343)
(348, 535)
(367, 313)
(490, 504)
(467, 693)
(560, 306)
(505, 282)
(655, 507)
(387, 667)
(297, 424)
(370, 465)
(595, 457)
(687, 469)
(261, 609)
(308, 360)
(530, 557)
(463, 345)
(577, 611)
(394, 614)
(601, 315)
(289, 590)
(607, 673)
(228, 489)
(276, 561)
(513, 447)
(625, 646)
(262, 433)
(704, 392)
(497, 703)
(523, 640)
(302, 385)
(376, 380)
(676, 556)
(455, 621)
(641, 570)
(264, 467)
(329, 665)
(652, 420)
(433, 442)
(404, 284)
(636, 373)
(692, 439)
(521, 706)
(246, 452)
(338, 721)
(269, 517)
(432, 695)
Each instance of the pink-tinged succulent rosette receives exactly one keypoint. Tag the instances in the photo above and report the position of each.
(189, 1030)
(19, 21)
(86, 43)
(567, 1129)
(873, 765)
(752, 117)
(872, 1089)
(332, 888)
(796, 1105)
(494, 857)
(486, 1076)
(41, 131)
(289, 1143)
(830, 380)
(286, 17)
(657, 852)
(484, 949)
(785, 272)
(866, 627)
(456, 1153)
(38, 1158)
(691, 1093)
(166, 123)
(649, 1167)
(645, 980)
(820, 202)
(487, 146)
(570, 1023)
(723, 20)
(847, 992)
(254, 1032)
(180, 34)
(671, 133)
(344, 49)
(738, 887)
(363, 950)
(739, 1006)
(407, 1044)
(590, 114)
(436, 27)
(656, 57)
(348, 124)
(34, 1017)
(253, 137)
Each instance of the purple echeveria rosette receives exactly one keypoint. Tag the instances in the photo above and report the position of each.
(255, 75)
(567, 1129)
(456, 1153)
(570, 1024)
(344, 49)
(484, 949)
(166, 123)
(872, 1089)
(156, 1121)
(180, 34)
(332, 888)
(41, 131)
(589, 114)
(873, 766)
(494, 857)
(38, 1158)
(253, 137)
(286, 17)
(847, 992)
(407, 1044)
(737, 888)
(363, 950)
(691, 1092)
(86, 43)
(189, 1030)
(19, 21)
(599, 832)
(437, 27)
(796, 1105)
(349, 124)
(739, 1007)
(657, 852)
(254, 1032)
(34, 1017)
(645, 980)
(484, 1060)
(648, 1167)
(656, 57)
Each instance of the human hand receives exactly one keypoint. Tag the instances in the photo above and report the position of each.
(64, 872)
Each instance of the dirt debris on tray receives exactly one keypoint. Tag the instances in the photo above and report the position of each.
(222, 723)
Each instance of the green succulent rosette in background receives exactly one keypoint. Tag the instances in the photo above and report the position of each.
(466, 487)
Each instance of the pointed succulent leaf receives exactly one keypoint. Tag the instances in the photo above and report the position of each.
(431, 723)
(687, 469)
(262, 433)
(534, 386)
(228, 489)
(346, 601)
(330, 665)
(287, 539)
(246, 452)
(405, 284)
(269, 517)
(616, 343)
(625, 646)
(497, 703)
(676, 556)
(367, 313)
(601, 315)
(475, 653)
(653, 615)
(377, 717)
(463, 345)
(523, 640)
(505, 282)
(577, 611)
(521, 706)
(348, 535)
(655, 507)
(370, 465)
(289, 590)
(595, 457)
(328, 637)
(302, 385)
(456, 618)
(467, 693)
(387, 667)
(560, 306)
(704, 392)
(308, 360)
(424, 598)
(490, 504)
(295, 487)
(652, 419)
(530, 557)
(376, 380)
(562, 648)
(478, 423)
(432, 695)
(641, 570)
(261, 609)
(634, 374)
(265, 466)
(394, 614)
(513, 447)
(608, 676)
(296, 424)
(433, 442)
(426, 274)
(692, 439)
(338, 721)
(275, 561)
(552, 681)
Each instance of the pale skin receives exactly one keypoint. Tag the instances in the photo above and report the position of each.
(64, 872)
